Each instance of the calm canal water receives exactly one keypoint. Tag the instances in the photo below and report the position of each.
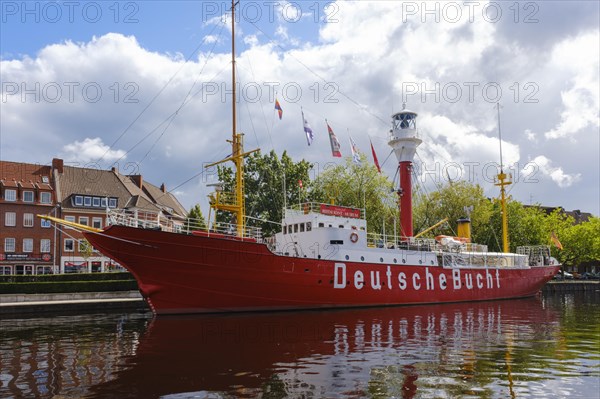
(547, 347)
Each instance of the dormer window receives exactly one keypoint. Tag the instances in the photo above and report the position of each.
(10, 195)
(45, 197)
(27, 196)
(78, 200)
(87, 201)
(45, 179)
(112, 203)
(96, 202)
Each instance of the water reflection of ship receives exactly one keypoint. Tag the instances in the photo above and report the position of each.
(349, 353)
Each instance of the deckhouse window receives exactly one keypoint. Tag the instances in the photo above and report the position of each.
(295, 228)
(321, 224)
(301, 227)
(308, 226)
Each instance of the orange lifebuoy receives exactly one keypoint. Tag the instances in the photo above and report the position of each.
(354, 237)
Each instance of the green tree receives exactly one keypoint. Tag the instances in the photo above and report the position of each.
(580, 242)
(195, 220)
(264, 194)
(360, 186)
(449, 201)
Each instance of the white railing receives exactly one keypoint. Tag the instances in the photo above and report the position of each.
(157, 221)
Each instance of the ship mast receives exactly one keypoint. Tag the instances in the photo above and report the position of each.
(503, 180)
(233, 202)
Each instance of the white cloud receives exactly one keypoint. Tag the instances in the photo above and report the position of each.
(555, 173)
(352, 73)
(90, 150)
(579, 57)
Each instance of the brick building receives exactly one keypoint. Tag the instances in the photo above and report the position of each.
(27, 242)
(87, 196)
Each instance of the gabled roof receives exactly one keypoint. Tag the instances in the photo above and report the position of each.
(85, 181)
(165, 199)
(26, 174)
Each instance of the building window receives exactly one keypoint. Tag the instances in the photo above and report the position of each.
(10, 219)
(78, 200)
(69, 245)
(84, 220)
(87, 201)
(103, 202)
(96, 202)
(27, 196)
(5, 270)
(70, 219)
(45, 179)
(9, 245)
(45, 223)
(112, 203)
(45, 197)
(97, 223)
(27, 244)
(28, 220)
(44, 245)
(10, 195)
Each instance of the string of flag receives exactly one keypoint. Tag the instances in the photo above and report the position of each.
(333, 140)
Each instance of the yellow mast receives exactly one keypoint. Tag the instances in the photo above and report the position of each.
(234, 202)
(503, 180)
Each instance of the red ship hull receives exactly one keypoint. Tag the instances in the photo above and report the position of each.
(179, 273)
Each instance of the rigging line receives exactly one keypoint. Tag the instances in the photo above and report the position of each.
(319, 76)
(262, 108)
(157, 95)
(391, 152)
(167, 119)
(184, 102)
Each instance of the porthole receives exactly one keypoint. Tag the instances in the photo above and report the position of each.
(431, 262)
(420, 262)
(347, 257)
(403, 260)
(362, 258)
(395, 260)
(381, 260)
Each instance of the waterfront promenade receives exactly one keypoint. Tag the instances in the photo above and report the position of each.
(132, 300)
(36, 303)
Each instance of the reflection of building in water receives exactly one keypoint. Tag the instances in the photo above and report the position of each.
(62, 356)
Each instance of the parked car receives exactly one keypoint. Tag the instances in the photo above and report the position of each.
(567, 276)
(562, 275)
(590, 276)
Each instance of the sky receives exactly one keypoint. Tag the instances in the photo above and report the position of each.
(145, 86)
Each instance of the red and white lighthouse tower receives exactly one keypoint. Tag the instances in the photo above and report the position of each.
(404, 139)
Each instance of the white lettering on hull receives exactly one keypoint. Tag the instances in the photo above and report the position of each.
(461, 279)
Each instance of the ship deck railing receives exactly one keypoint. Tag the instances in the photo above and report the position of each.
(158, 221)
